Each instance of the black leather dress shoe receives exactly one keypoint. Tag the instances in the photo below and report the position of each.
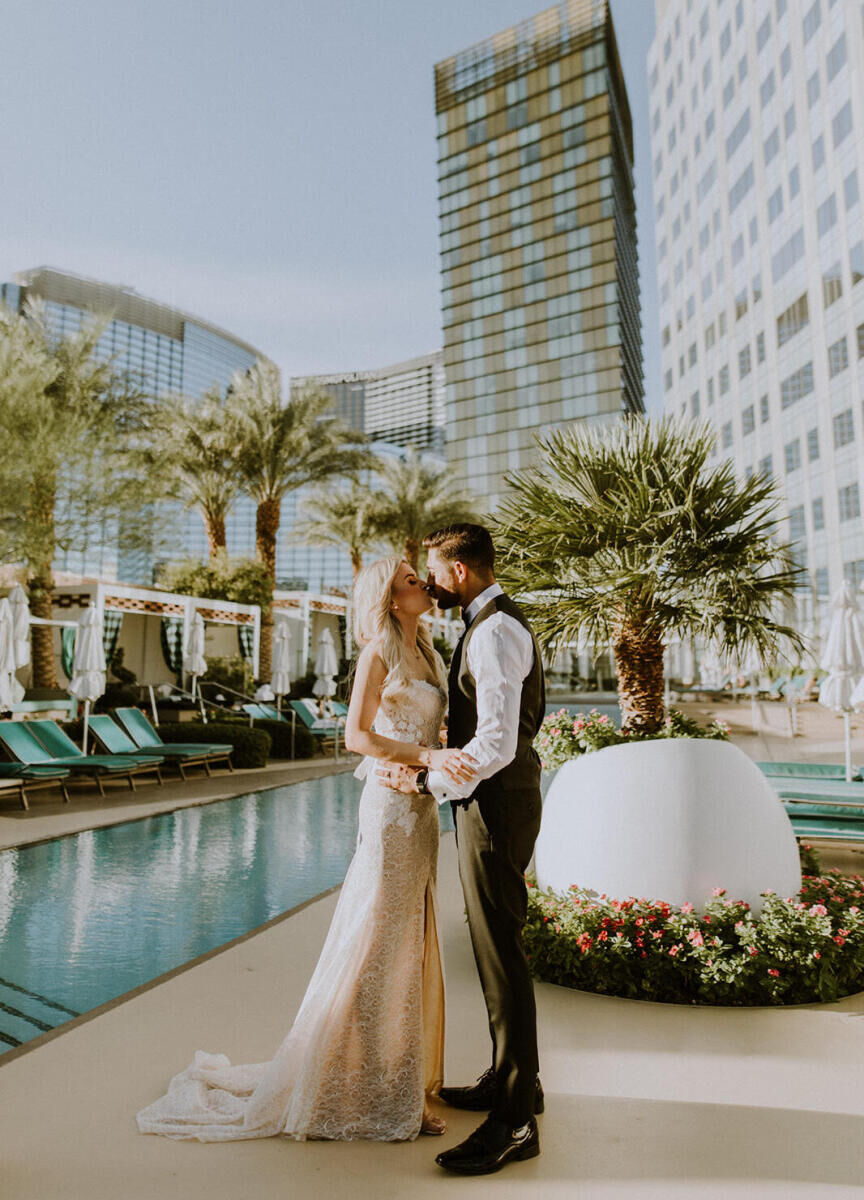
(480, 1096)
(491, 1147)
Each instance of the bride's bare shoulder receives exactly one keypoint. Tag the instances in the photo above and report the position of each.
(370, 662)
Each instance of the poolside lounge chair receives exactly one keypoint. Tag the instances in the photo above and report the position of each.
(24, 777)
(799, 770)
(115, 740)
(185, 754)
(24, 746)
(324, 729)
(59, 743)
(263, 712)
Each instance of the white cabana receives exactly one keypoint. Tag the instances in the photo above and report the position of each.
(88, 670)
(843, 659)
(194, 662)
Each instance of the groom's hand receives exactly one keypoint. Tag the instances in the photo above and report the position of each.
(398, 777)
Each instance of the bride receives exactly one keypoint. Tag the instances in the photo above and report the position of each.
(366, 1048)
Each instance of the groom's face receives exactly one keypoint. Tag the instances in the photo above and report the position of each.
(445, 579)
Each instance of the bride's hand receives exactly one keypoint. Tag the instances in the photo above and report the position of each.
(456, 764)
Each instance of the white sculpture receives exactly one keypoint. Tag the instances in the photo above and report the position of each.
(668, 820)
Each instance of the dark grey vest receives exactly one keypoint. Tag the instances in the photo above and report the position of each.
(524, 770)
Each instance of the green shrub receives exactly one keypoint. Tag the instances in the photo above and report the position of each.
(803, 949)
(251, 746)
(305, 744)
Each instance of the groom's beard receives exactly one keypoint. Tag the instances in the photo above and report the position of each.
(445, 599)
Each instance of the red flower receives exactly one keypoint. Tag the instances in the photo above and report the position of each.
(773, 971)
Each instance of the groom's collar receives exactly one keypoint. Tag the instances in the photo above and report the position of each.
(469, 613)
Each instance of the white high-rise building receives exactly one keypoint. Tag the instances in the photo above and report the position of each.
(757, 139)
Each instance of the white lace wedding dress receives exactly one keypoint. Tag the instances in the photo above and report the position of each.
(367, 1045)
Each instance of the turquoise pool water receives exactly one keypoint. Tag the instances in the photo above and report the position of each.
(85, 918)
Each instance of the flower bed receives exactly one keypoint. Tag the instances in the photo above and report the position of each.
(803, 949)
(563, 736)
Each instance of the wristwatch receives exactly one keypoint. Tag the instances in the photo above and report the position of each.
(422, 781)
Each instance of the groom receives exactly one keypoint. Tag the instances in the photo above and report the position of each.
(497, 701)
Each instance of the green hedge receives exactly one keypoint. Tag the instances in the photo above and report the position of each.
(305, 745)
(251, 746)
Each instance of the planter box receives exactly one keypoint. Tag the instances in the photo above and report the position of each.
(668, 820)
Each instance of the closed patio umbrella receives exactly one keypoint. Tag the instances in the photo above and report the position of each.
(326, 667)
(20, 625)
(10, 689)
(843, 659)
(280, 680)
(194, 662)
(88, 666)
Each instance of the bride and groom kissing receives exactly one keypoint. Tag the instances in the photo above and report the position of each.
(364, 1057)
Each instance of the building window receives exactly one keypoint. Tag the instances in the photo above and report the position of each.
(744, 363)
(766, 465)
(741, 187)
(668, 380)
(725, 39)
(844, 429)
(813, 89)
(796, 385)
(748, 420)
(792, 320)
(818, 511)
(836, 57)
(820, 579)
(785, 62)
(726, 435)
(812, 445)
(789, 121)
(826, 215)
(850, 190)
(856, 262)
(797, 523)
(691, 355)
(772, 145)
(738, 134)
(794, 183)
(764, 410)
(788, 254)
(763, 33)
(729, 91)
(775, 205)
(760, 347)
(832, 285)
(860, 335)
(694, 405)
(838, 357)
(792, 455)
(818, 153)
(841, 126)
(767, 89)
(723, 380)
(812, 20)
(849, 502)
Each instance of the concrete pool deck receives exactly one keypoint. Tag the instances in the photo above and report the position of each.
(644, 1101)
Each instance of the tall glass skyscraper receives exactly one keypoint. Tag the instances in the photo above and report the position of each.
(540, 292)
(168, 351)
(757, 134)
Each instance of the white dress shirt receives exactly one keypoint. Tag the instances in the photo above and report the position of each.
(500, 655)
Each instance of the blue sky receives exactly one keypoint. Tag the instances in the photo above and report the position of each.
(266, 164)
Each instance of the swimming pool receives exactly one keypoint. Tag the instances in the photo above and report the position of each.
(86, 918)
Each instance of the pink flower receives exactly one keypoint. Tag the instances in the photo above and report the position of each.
(695, 938)
(688, 907)
(854, 909)
(557, 927)
(773, 971)
(718, 892)
(673, 950)
(816, 954)
(753, 951)
(818, 910)
(841, 941)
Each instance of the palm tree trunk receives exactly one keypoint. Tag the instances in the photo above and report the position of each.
(412, 552)
(267, 518)
(41, 590)
(639, 659)
(214, 524)
(356, 564)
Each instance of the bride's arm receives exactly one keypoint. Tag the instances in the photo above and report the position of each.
(359, 738)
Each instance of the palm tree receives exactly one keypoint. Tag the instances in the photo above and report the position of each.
(416, 497)
(279, 447)
(341, 517)
(626, 535)
(194, 445)
(69, 468)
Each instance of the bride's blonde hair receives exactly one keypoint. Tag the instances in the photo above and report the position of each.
(375, 622)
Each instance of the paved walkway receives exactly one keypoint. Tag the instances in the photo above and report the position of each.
(644, 1101)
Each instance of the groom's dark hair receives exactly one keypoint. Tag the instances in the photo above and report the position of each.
(465, 543)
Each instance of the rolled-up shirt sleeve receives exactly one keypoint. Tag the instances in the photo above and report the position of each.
(500, 655)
